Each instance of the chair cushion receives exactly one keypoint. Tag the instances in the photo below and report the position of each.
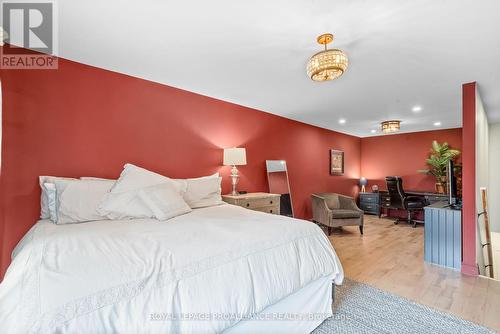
(345, 214)
(414, 202)
(332, 201)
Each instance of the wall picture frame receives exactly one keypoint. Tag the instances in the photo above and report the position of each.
(336, 162)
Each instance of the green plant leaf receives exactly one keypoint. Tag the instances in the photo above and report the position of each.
(439, 157)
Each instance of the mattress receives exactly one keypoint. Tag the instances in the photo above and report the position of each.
(201, 272)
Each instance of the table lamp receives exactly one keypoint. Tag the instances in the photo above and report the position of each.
(363, 182)
(235, 156)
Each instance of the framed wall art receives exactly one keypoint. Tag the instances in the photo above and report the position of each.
(336, 162)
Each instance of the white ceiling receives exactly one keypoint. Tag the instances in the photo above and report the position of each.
(402, 53)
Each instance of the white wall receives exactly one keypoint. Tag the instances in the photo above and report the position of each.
(494, 182)
(482, 172)
(495, 241)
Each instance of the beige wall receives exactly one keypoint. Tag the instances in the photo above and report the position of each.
(482, 173)
(495, 241)
(494, 182)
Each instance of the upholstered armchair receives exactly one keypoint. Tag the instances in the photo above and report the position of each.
(335, 210)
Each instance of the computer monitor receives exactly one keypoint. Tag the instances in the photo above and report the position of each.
(452, 184)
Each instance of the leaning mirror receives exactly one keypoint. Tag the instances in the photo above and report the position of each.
(277, 177)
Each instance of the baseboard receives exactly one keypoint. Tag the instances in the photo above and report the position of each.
(468, 269)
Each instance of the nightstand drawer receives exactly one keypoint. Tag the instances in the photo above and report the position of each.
(258, 202)
(273, 209)
(262, 202)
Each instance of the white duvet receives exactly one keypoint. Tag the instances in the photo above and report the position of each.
(199, 272)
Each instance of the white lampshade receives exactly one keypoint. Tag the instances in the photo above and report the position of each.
(235, 156)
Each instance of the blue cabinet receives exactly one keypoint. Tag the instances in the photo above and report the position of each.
(369, 203)
(443, 235)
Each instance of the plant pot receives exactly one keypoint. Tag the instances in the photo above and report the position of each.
(440, 188)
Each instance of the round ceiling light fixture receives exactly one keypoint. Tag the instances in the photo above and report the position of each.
(328, 64)
(390, 126)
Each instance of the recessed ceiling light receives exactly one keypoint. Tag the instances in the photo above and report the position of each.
(342, 121)
(373, 131)
(437, 123)
(416, 109)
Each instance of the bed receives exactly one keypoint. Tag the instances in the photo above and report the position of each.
(216, 269)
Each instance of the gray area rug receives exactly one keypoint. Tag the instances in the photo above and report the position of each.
(360, 308)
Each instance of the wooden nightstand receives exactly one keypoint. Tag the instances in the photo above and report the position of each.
(263, 202)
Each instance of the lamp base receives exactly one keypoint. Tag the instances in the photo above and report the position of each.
(363, 189)
(234, 180)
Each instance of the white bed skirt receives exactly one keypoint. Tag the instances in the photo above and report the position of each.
(307, 308)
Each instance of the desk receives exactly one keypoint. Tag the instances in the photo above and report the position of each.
(374, 203)
(431, 198)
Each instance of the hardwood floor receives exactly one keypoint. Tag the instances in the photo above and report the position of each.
(390, 257)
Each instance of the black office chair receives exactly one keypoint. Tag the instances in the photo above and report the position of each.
(399, 200)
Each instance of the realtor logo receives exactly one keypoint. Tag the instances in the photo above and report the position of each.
(30, 31)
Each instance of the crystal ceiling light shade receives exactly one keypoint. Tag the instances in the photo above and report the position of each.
(390, 126)
(327, 64)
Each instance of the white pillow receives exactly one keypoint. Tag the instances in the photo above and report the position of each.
(203, 192)
(95, 178)
(164, 201)
(193, 196)
(183, 182)
(50, 190)
(44, 198)
(213, 176)
(133, 177)
(78, 200)
(123, 201)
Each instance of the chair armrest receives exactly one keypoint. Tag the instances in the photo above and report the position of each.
(348, 203)
(321, 213)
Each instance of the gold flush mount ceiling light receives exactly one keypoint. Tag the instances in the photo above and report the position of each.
(328, 64)
(390, 126)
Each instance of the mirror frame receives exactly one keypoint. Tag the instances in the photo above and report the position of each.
(285, 169)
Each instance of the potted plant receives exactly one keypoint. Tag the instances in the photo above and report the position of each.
(440, 156)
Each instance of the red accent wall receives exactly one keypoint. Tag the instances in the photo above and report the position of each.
(402, 155)
(469, 211)
(81, 120)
